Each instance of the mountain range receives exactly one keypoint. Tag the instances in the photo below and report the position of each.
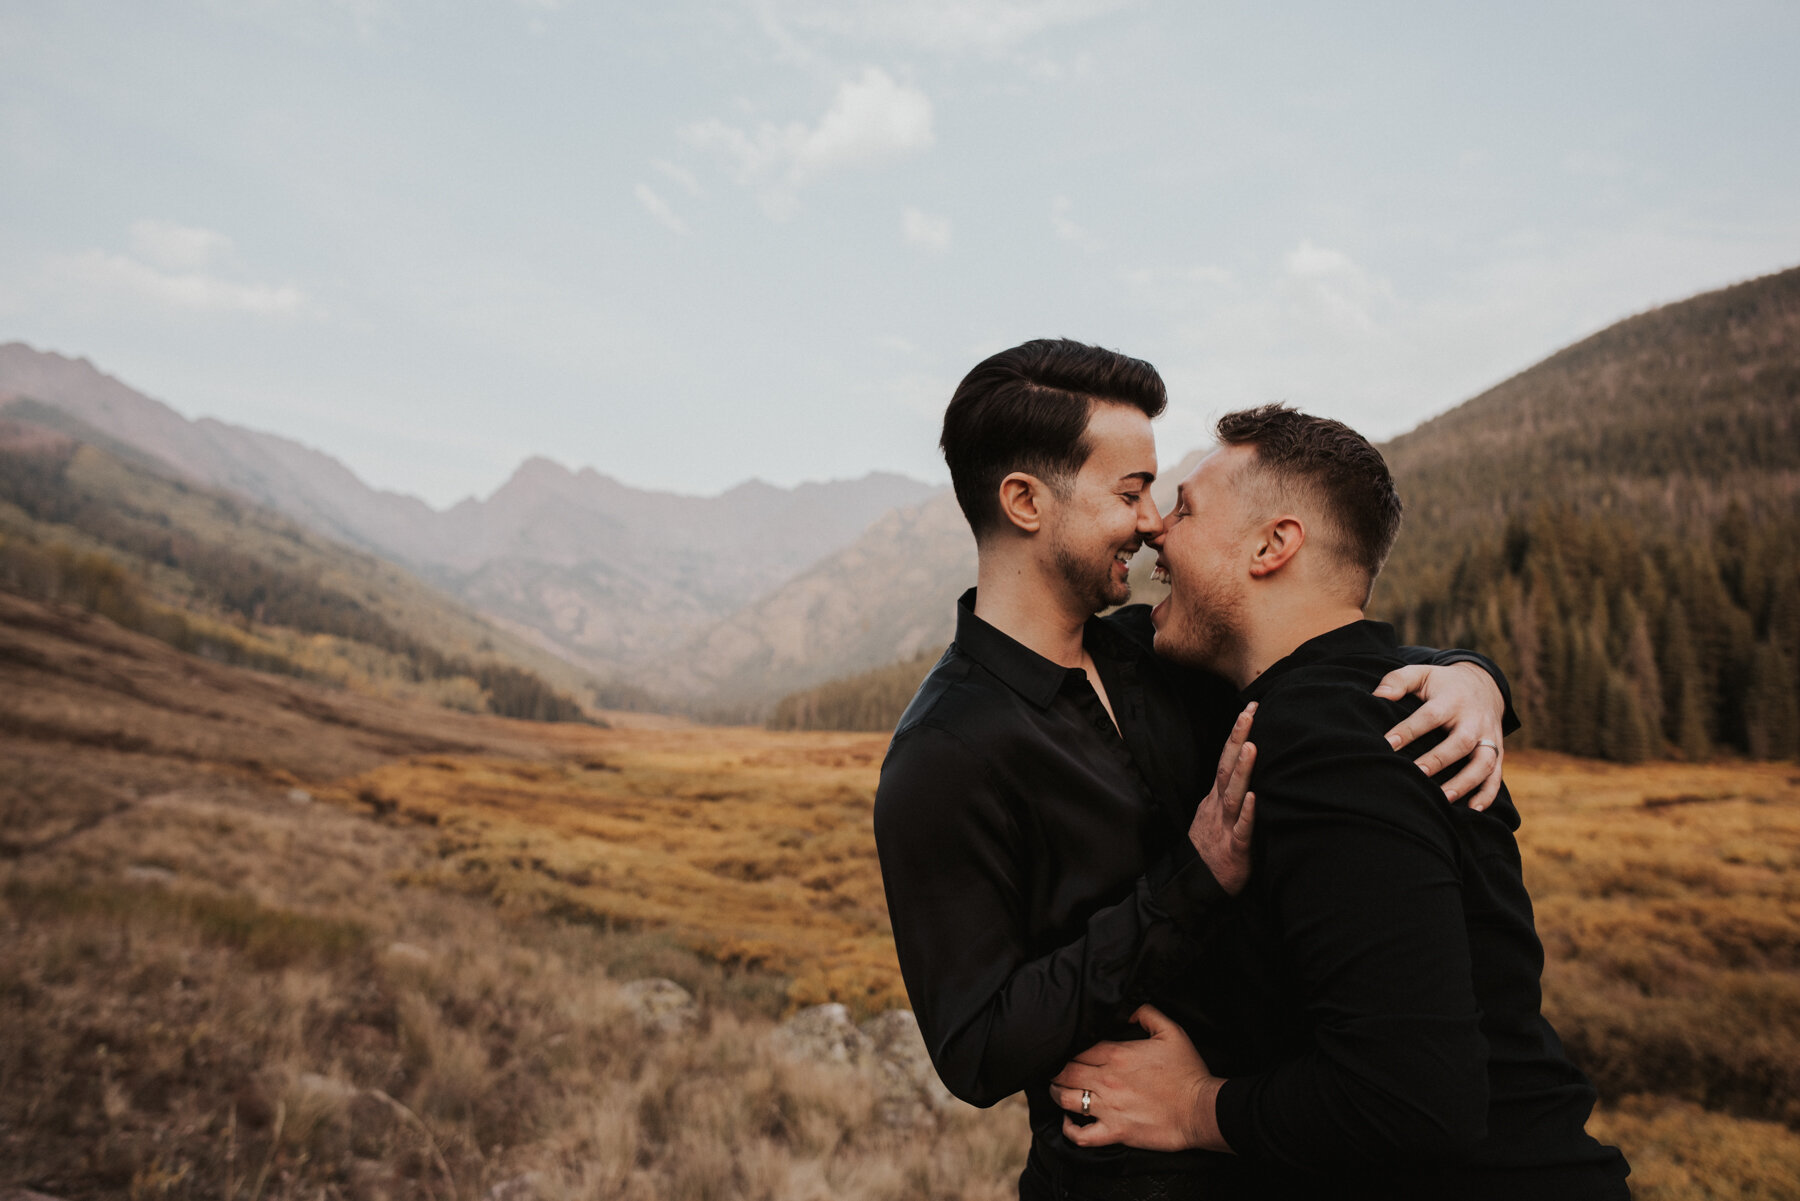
(624, 582)
(722, 604)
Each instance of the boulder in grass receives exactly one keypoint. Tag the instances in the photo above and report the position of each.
(905, 1064)
(825, 1034)
(528, 1187)
(660, 1006)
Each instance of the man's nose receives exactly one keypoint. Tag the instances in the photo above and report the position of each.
(1150, 522)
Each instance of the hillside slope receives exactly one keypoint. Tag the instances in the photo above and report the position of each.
(202, 570)
(889, 595)
(1620, 527)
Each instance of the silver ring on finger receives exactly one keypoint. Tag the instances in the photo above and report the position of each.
(1490, 744)
(1087, 1102)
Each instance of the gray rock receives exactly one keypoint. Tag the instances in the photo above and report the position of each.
(149, 873)
(324, 1091)
(911, 1093)
(406, 952)
(824, 1034)
(526, 1187)
(299, 796)
(660, 1006)
(887, 1050)
(901, 1049)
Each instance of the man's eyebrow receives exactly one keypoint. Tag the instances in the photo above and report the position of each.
(1143, 477)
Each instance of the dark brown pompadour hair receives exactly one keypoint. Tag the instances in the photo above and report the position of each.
(1026, 409)
(1335, 466)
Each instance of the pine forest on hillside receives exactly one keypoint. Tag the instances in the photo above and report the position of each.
(1620, 528)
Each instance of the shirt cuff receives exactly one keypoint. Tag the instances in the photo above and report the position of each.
(1231, 1111)
(1184, 887)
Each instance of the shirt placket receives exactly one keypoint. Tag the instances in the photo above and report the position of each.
(1080, 690)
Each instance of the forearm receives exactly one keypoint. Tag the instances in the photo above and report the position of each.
(997, 1021)
(1426, 1101)
(1000, 1003)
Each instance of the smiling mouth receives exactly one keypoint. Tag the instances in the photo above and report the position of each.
(1123, 555)
(1160, 573)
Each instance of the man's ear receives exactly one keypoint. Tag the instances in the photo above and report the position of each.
(1280, 540)
(1021, 501)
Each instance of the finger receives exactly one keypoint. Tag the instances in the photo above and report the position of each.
(1065, 1097)
(1490, 788)
(1153, 1020)
(1240, 730)
(1246, 822)
(1095, 1056)
(1422, 720)
(1094, 1134)
(1231, 797)
(1077, 1076)
(1459, 743)
(1474, 774)
(1401, 682)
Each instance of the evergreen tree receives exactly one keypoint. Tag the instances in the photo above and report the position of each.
(1624, 732)
(1771, 707)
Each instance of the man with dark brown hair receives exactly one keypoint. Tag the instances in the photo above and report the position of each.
(1371, 1011)
(1045, 863)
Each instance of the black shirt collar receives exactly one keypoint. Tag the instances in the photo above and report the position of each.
(1359, 637)
(1016, 665)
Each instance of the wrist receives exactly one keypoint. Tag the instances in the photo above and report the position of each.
(1203, 1130)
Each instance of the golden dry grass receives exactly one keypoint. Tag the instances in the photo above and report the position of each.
(1668, 896)
(754, 848)
(209, 987)
(226, 994)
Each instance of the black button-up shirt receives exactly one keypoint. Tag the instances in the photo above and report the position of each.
(1039, 878)
(1376, 989)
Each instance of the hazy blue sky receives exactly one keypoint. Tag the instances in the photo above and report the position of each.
(687, 243)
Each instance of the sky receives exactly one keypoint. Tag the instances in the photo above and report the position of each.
(698, 241)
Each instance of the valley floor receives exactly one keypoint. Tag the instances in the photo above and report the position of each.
(263, 939)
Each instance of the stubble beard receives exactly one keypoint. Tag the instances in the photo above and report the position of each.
(1208, 620)
(1094, 588)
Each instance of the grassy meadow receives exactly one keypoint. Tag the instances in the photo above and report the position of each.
(264, 939)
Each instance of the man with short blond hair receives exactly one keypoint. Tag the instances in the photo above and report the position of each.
(1373, 1002)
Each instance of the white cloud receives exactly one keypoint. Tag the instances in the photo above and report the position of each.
(1307, 261)
(1067, 228)
(175, 247)
(678, 174)
(1331, 285)
(985, 26)
(871, 120)
(1162, 280)
(659, 208)
(922, 229)
(100, 277)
